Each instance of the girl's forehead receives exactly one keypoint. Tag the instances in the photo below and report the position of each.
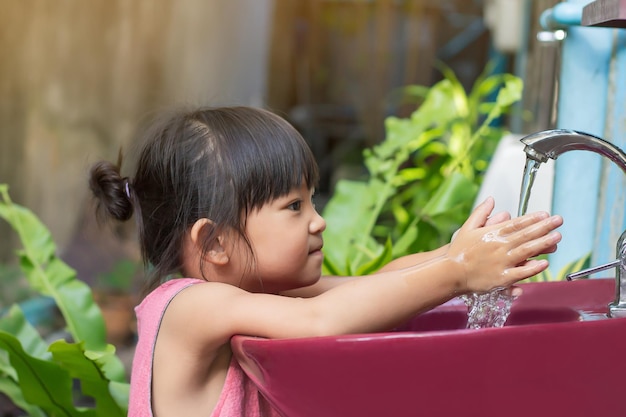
(302, 188)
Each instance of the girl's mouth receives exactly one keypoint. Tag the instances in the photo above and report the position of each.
(316, 251)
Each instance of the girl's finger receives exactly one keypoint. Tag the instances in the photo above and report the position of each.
(521, 223)
(526, 269)
(536, 247)
(537, 230)
(497, 218)
(551, 249)
(479, 216)
(513, 291)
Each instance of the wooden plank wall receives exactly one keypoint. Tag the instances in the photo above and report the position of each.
(330, 56)
(76, 78)
(336, 65)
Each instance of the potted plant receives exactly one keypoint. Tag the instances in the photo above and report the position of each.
(39, 375)
(422, 179)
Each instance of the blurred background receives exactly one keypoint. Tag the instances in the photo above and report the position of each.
(76, 78)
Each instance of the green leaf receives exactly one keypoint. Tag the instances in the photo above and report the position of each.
(378, 261)
(511, 92)
(15, 323)
(109, 363)
(5, 366)
(39, 242)
(120, 392)
(455, 189)
(12, 390)
(574, 266)
(351, 216)
(346, 217)
(416, 92)
(330, 268)
(440, 106)
(49, 275)
(40, 377)
(404, 242)
(88, 368)
(44, 384)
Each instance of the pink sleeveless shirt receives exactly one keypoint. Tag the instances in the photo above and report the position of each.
(239, 396)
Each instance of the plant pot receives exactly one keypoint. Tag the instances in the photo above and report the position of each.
(119, 316)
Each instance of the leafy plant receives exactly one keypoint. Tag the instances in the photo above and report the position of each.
(40, 377)
(423, 178)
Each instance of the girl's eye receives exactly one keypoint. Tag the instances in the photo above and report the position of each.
(295, 206)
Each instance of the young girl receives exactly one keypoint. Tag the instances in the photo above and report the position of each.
(223, 197)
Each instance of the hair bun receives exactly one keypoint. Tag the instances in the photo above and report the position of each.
(111, 190)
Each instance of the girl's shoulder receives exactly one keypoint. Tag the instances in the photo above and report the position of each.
(191, 310)
(164, 293)
(174, 285)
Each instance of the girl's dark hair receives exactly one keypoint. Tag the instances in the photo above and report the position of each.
(216, 163)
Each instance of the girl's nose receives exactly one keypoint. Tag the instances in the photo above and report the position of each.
(317, 224)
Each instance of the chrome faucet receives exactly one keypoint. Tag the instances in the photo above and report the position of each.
(550, 144)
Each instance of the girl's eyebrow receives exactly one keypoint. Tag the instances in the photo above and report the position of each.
(291, 195)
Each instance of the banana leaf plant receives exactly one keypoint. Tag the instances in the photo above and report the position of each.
(422, 178)
(81, 376)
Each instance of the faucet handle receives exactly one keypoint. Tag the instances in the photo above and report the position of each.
(589, 271)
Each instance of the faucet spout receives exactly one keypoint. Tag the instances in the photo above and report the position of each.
(549, 144)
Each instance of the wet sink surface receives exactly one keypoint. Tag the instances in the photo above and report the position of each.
(455, 318)
(546, 361)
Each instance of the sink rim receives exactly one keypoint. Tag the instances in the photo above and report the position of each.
(421, 334)
(526, 302)
(287, 371)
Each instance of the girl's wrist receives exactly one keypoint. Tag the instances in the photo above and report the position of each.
(455, 264)
(447, 275)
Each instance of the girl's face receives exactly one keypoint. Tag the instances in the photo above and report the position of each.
(286, 237)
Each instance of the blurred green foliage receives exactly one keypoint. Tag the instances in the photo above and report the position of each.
(423, 177)
(40, 377)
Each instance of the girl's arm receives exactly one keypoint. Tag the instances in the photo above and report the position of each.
(477, 260)
(327, 282)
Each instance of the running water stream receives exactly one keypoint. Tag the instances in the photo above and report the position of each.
(492, 309)
(530, 171)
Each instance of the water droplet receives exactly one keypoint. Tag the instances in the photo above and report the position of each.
(489, 309)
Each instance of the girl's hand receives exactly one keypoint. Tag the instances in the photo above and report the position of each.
(496, 254)
(495, 219)
(505, 216)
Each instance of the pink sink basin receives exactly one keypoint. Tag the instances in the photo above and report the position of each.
(548, 360)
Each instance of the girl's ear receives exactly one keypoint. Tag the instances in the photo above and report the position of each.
(216, 253)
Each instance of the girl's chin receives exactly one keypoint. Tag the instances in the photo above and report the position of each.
(280, 286)
(308, 280)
